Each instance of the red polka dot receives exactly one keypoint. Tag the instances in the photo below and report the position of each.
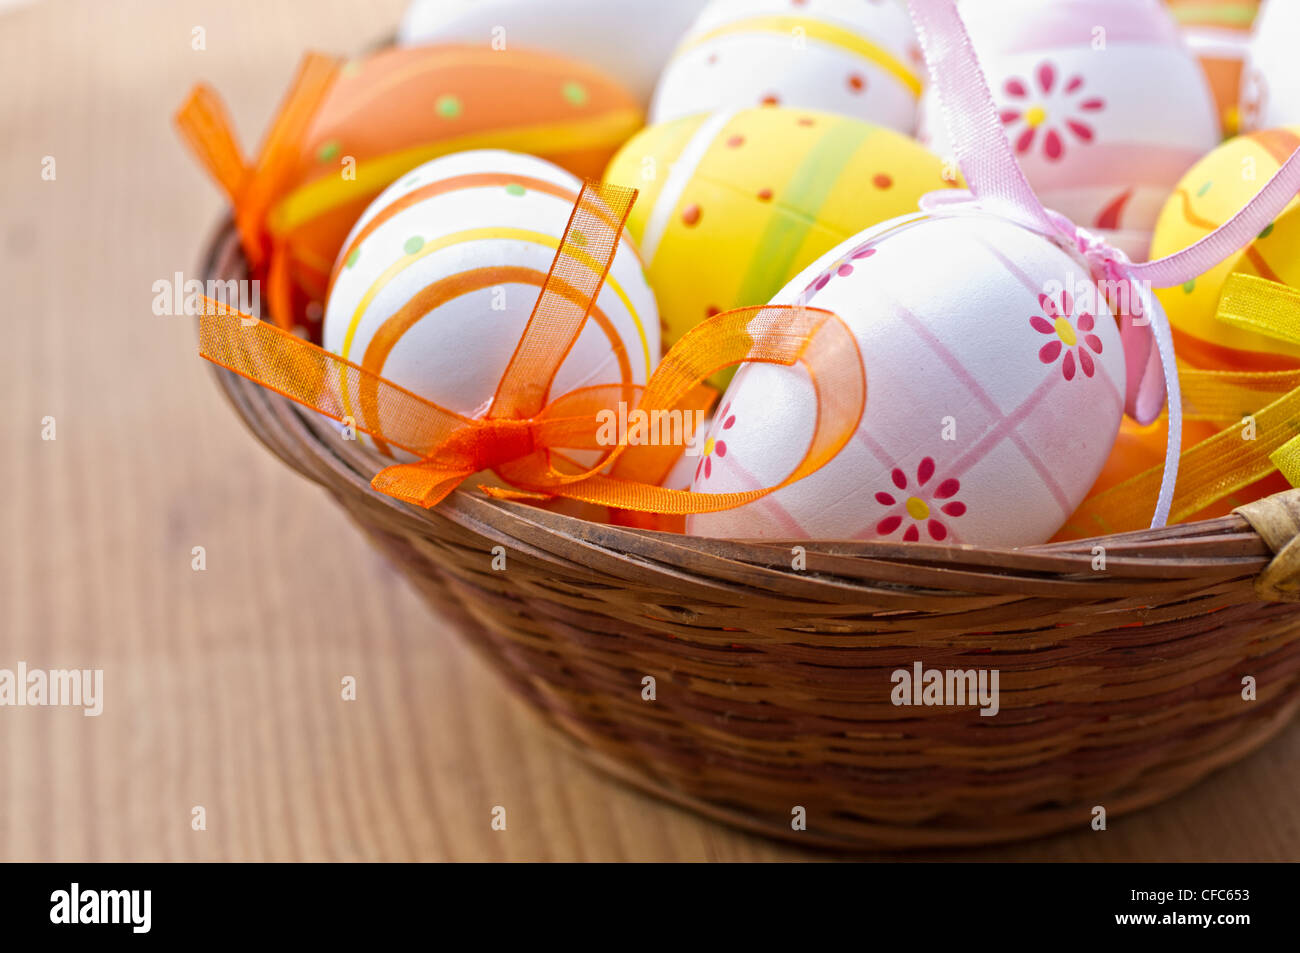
(736, 142)
(713, 59)
(691, 215)
(710, 311)
(771, 99)
(765, 195)
(856, 82)
(882, 181)
(806, 121)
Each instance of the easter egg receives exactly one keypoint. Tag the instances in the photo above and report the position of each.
(993, 394)
(1218, 33)
(1270, 93)
(390, 112)
(735, 204)
(1104, 106)
(1214, 190)
(437, 280)
(857, 59)
(629, 41)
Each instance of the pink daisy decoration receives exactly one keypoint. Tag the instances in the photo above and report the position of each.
(1067, 338)
(1049, 105)
(920, 505)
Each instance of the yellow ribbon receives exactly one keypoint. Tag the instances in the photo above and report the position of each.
(1257, 441)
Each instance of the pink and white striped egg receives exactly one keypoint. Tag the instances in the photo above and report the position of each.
(857, 59)
(437, 280)
(1103, 102)
(995, 388)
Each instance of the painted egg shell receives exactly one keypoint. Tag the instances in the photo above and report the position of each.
(1218, 33)
(1103, 103)
(1211, 193)
(439, 277)
(859, 59)
(629, 41)
(1270, 94)
(993, 394)
(735, 204)
(390, 112)
(1139, 448)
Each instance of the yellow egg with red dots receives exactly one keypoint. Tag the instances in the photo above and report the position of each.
(1213, 191)
(735, 204)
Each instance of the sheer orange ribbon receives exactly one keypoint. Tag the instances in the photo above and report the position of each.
(253, 187)
(524, 436)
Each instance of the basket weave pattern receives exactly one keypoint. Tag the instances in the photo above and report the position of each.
(1119, 687)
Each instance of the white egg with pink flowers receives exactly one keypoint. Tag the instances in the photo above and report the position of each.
(995, 388)
(1103, 102)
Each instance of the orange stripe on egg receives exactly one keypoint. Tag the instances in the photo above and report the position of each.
(455, 184)
(479, 234)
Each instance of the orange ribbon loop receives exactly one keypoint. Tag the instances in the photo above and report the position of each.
(205, 124)
(523, 437)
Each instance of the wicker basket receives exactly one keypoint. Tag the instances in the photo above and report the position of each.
(1119, 687)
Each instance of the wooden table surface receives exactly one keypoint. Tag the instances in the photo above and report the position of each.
(222, 686)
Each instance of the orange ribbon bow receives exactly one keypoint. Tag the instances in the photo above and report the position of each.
(526, 438)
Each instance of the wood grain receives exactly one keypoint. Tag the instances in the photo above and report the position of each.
(223, 686)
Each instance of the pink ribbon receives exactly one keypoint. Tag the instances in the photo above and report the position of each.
(998, 185)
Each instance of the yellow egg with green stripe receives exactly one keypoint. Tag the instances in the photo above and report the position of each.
(735, 204)
(1214, 190)
(437, 280)
(858, 59)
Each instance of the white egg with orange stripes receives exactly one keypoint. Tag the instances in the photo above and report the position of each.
(856, 59)
(437, 280)
(995, 388)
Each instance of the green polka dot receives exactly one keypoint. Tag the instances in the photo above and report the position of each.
(410, 182)
(514, 188)
(351, 68)
(449, 107)
(328, 150)
(352, 258)
(1268, 231)
(413, 244)
(576, 93)
(1189, 287)
(1205, 188)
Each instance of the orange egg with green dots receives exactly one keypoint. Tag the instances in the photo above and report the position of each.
(387, 113)
(735, 204)
(1213, 191)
